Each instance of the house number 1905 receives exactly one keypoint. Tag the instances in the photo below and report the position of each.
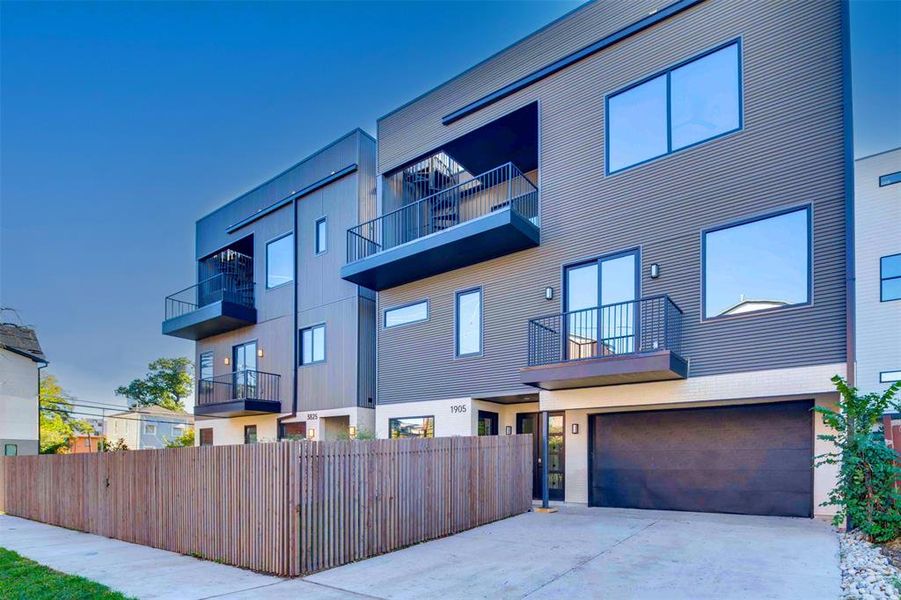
(458, 408)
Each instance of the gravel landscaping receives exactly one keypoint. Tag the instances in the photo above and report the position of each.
(866, 572)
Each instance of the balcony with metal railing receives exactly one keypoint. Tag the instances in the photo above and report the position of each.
(483, 217)
(626, 342)
(217, 304)
(238, 394)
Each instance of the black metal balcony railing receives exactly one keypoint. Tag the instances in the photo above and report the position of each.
(502, 187)
(229, 287)
(239, 385)
(646, 325)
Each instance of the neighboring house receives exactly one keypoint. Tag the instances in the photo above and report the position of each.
(567, 228)
(877, 224)
(146, 427)
(284, 346)
(21, 359)
(84, 443)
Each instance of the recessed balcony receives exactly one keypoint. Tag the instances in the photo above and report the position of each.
(484, 217)
(238, 394)
(218, 304)
(627, 342)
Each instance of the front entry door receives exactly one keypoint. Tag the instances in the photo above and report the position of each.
(531, 423)
(244, 367)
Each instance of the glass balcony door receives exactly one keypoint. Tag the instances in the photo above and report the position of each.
(244, 369)
(610, 282)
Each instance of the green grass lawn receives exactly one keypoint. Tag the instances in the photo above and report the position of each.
(24, 579)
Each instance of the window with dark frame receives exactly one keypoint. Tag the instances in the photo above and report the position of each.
(321, 235)
(757, 264)
(690, 103)
(312, 345)
(468, 322)
(411, 427)
(890, 278)
(280, 261)
(206, 436)
(250, 434)
(890, 376)
(890, 179)
(10, 450)
(404, 315)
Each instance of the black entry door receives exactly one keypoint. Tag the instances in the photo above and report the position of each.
(753, 459)
(531, 423)
(487, 422)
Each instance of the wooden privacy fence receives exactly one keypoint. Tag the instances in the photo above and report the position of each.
(288, 508)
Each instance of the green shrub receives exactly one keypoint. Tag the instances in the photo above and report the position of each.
(865, 493)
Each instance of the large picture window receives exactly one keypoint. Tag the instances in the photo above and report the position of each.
(403, 315)
(312, 345)
(692, 102)
(411, 427)
(469, 322)
(763, 264)
(280, 261)
(890, 278)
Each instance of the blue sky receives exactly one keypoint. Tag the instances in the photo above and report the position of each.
(122, 123)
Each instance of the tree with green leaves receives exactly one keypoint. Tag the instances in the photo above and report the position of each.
(866, 492)
(185, 440)
(56, 420)
(168, 382)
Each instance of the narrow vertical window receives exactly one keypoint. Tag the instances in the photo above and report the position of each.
(469, 322)
(312, 345)
(321, 235)
(890, 278)
(250, 434)
(280, 261)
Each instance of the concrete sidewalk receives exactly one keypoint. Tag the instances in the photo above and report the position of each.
(577, 552)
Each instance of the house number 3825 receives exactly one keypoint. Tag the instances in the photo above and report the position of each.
(458, 408)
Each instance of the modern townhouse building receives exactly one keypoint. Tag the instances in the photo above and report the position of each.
(626, 233)
(877, 226)
(285, 347)
(21, 361)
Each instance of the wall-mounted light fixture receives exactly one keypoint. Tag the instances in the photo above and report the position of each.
(509, 429)
(352, 431)
(548, 293)
(655, 271)
(227, 361)
(575, 429)
(260, 352)
(311, 433)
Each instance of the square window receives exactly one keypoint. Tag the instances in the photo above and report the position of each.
(150, 429)
(757, 265)
(10, 450)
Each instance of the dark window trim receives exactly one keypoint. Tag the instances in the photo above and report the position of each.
(200, 356)
(890, 179)
(200, 436)
(882, 279)
(255, 342)
(753, 219)
(300, 345)
(316, 249)
(666, 72)
(266, 254)
(255, 434)
(493, 417)
(428, 314)
(636, 251)
(432, 417)
(457, 322)
(881, 373)
(15, 449)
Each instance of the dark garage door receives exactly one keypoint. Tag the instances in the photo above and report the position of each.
(754, 459)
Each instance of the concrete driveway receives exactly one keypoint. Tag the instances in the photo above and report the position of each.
(577, 552)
